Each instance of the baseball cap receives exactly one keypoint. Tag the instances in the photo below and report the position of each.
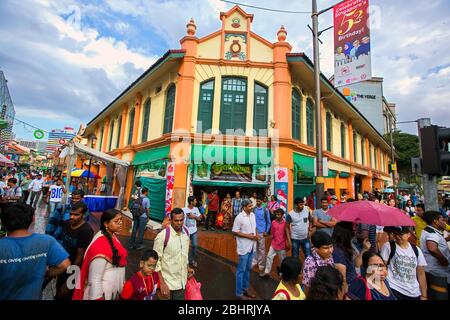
(400, 229)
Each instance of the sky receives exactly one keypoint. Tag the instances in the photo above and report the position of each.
(66, 60)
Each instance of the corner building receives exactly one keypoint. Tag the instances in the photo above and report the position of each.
(228, 106)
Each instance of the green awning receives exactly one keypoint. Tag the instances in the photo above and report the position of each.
(201, 153)
(332, 173)
(151, 155)
(344, 175)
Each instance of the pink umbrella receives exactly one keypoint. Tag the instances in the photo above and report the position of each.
(371, 213)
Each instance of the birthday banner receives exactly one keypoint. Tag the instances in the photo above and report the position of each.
(352, 59)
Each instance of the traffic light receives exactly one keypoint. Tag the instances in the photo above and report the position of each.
(435, 150)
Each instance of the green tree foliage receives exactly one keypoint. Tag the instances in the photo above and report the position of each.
(406, 147)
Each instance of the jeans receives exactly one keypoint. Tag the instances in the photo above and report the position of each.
(259, 258)
(139, 225)
(243, 273)
(304, 244)
(52, 206)
(35, 195)
(177, 294)
(208, 218)
(272, 253)
(194, 243)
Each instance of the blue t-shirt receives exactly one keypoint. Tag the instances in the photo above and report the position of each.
(23, 263)
(261, 225)
(339, 256)
(145, 206)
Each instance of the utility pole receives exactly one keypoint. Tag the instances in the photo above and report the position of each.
(320, 182)
(394, 184)
(429, 182)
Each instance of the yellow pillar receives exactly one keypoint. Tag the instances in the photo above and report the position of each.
(337, 185)
(123, 127)
(137, 117)
(105, 135)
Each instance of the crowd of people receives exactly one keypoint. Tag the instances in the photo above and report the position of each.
(318, 257)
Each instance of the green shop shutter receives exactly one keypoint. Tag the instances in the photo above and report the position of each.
(169, 109)
(151, 155)
(304, 169)
(156, 194)
(296, 115)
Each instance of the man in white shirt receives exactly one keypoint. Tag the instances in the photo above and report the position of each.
(244, 229)
(437, 255)
(191, 216)
(406, 274)
(300, 224)
(36, 189)
(55, 194)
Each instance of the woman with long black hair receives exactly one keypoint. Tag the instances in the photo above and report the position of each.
(346, 258)
(103, 272)
(328, 284)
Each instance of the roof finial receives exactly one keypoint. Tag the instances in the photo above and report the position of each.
(282, 33)
(191, 27)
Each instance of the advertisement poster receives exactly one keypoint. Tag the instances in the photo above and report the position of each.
(169, 187)
(281, 187)
(229, 173)
(351, 42)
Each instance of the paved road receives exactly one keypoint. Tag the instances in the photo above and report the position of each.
(216, 274)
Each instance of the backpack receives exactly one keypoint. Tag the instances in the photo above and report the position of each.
(393, 249)
(138, 206)
(167, 236)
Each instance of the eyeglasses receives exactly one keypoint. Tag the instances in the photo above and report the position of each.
(379, 265)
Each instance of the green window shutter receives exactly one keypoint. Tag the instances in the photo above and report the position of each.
(146, 120)
(119, 132)
(310, 122)
(296, 115)
(260, 116)
(363, 151)
(233, 108)
(111, 129)
(169, 110)
(329, 130)
(101, 139)
(130, 132)
(205, 107)
(342, 140)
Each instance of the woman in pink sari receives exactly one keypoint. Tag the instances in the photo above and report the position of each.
(272, 206)
(103, 271)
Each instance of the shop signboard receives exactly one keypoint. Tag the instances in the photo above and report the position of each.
(156, 170)
(231, 173)
(169, 187)
(281, 187)
(352, 61)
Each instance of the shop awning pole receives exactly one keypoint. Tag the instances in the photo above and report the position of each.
(89, 174)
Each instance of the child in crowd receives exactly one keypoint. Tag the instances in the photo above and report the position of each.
(144, 283)
(289, 287)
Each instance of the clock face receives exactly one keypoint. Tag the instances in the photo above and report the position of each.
(235, 47)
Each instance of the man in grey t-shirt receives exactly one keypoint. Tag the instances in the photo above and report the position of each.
(321, 220)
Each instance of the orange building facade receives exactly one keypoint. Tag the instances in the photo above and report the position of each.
(224, 110)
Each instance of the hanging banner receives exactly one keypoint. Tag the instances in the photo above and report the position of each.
(352, 61)
(255, 174)
(169, 187)
(281, 187)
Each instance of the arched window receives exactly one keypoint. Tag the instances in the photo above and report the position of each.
(329, 127)
(342, 140)
(111, 132)
(169, 110)
(146, 120)
(310, 122)
(131, 127)
(205, 106)
(296, 115)
(119, 131)
(233, 108)
(260, 116)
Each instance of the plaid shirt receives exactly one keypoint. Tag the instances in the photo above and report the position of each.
(237, 206)
(312, 263)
